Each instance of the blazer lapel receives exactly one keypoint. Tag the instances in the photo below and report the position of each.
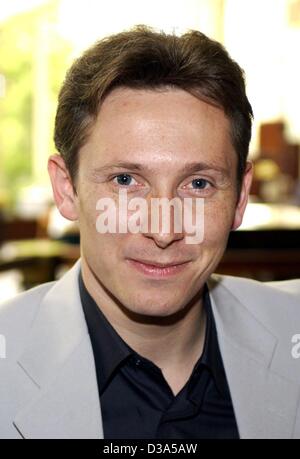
(59, 361)
(265, 402)
(59, 364)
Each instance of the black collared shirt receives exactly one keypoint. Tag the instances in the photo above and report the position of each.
(136, 400)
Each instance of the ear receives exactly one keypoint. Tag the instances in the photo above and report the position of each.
(243, 198)
(63, 192)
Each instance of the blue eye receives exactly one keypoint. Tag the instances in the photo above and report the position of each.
(199, 183)
(124, 179)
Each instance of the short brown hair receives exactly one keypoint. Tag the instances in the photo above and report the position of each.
(143, 58)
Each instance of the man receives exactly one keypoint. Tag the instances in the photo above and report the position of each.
(139, 339)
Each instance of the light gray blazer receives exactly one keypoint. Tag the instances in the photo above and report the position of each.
(48, 385)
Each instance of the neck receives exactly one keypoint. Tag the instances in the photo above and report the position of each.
(173, 343)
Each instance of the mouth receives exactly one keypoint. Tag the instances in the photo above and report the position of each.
(156, 269)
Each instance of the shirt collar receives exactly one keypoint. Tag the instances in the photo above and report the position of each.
(211, 355)
(110, 350)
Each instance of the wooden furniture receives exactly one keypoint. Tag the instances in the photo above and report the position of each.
(262, 255)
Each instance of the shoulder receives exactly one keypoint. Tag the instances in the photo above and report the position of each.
(276, 303)
(18, 313)
(290, 287)
(24, 304)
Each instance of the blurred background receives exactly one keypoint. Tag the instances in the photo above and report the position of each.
(38, 42)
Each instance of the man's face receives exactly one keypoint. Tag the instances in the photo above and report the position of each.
(163, 132)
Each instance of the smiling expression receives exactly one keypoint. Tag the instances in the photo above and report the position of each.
(157, 144)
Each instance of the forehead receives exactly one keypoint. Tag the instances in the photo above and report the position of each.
(165, 126)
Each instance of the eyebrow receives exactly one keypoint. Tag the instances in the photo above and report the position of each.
(186, 168)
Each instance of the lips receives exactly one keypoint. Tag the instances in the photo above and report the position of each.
(158, 270)
(160, 265)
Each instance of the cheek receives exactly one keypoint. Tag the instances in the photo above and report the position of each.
(88, 212)
(88, 230)
(218, 218)
(87, 205)
(104, 252)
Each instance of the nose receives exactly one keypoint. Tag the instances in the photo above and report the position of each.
(165, 220)
(163, 240)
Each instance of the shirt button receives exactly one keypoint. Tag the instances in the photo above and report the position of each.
(137, 362)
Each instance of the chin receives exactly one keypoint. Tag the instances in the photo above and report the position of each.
(155, 309)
